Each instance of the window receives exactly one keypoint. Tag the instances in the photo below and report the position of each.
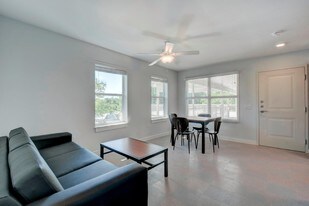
(216, 95)
(159, 99)
(110, 97)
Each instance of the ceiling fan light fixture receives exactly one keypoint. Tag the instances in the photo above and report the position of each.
(167, 55)
(167, 58)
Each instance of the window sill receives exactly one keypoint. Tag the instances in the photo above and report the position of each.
(163, 119)
(110, 127)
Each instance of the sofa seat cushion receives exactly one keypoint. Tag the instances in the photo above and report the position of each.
(54, 151)
(31, 177)
(71, 161)
(86, 173)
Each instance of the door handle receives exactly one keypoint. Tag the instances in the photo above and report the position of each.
(262, 111)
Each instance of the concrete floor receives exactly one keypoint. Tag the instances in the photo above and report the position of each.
(237, 174)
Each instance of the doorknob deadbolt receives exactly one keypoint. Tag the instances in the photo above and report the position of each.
(262, 101)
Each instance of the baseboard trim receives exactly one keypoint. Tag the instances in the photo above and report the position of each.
(155, 136)
(226, 138)
(232, 139)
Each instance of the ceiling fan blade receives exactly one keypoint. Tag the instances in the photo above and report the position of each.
(168, 47)
(186, 53)
(154, 62)
(183, 27)
(151, 54)
(202, 36)
(155, 35)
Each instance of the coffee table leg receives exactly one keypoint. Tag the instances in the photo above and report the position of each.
(102, 152)
(166, 163)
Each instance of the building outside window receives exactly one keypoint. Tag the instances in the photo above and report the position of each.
(215, 95)
(110, 96)
(159, 98)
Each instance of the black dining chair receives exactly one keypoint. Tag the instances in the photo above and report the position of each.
(214, 133)
(171, 116)
(182, 127)
(199, 129)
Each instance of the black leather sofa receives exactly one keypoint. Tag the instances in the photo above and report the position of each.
(53, 170)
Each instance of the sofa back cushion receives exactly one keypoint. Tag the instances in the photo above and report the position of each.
(6, 197)
(31, 177)
(18, 137)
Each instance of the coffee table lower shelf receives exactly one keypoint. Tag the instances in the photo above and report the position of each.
(136, 150)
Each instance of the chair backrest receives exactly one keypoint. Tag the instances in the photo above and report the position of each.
(181, 124)
(217, 124)
(204, 115)
(171, 117)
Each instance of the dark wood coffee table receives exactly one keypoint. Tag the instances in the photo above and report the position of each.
(136, 150)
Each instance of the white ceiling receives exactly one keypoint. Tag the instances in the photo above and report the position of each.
(221, 30)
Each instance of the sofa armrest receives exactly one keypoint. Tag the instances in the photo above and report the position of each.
(49, 140)
(126, 185)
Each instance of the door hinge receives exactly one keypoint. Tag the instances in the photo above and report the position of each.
(305, 76)
(306, 142)
(306, 109)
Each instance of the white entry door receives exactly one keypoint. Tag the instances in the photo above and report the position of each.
(282, 109)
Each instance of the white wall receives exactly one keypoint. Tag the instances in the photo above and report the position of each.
(246, 129)
(47, 85)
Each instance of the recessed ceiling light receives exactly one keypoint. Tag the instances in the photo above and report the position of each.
(280, 45)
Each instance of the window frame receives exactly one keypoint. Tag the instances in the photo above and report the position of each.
(165, 98)
(124, 95)
(209, 97)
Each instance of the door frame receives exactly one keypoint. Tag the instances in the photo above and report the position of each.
(306, 68)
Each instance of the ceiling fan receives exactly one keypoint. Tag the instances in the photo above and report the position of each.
(168, 56)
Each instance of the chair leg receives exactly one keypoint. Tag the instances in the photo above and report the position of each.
(217, 140)
(181, 142)
(198, 135)
(195, 141)
(188, 137)
(213, 145)
(174, 138)
(175, 141)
